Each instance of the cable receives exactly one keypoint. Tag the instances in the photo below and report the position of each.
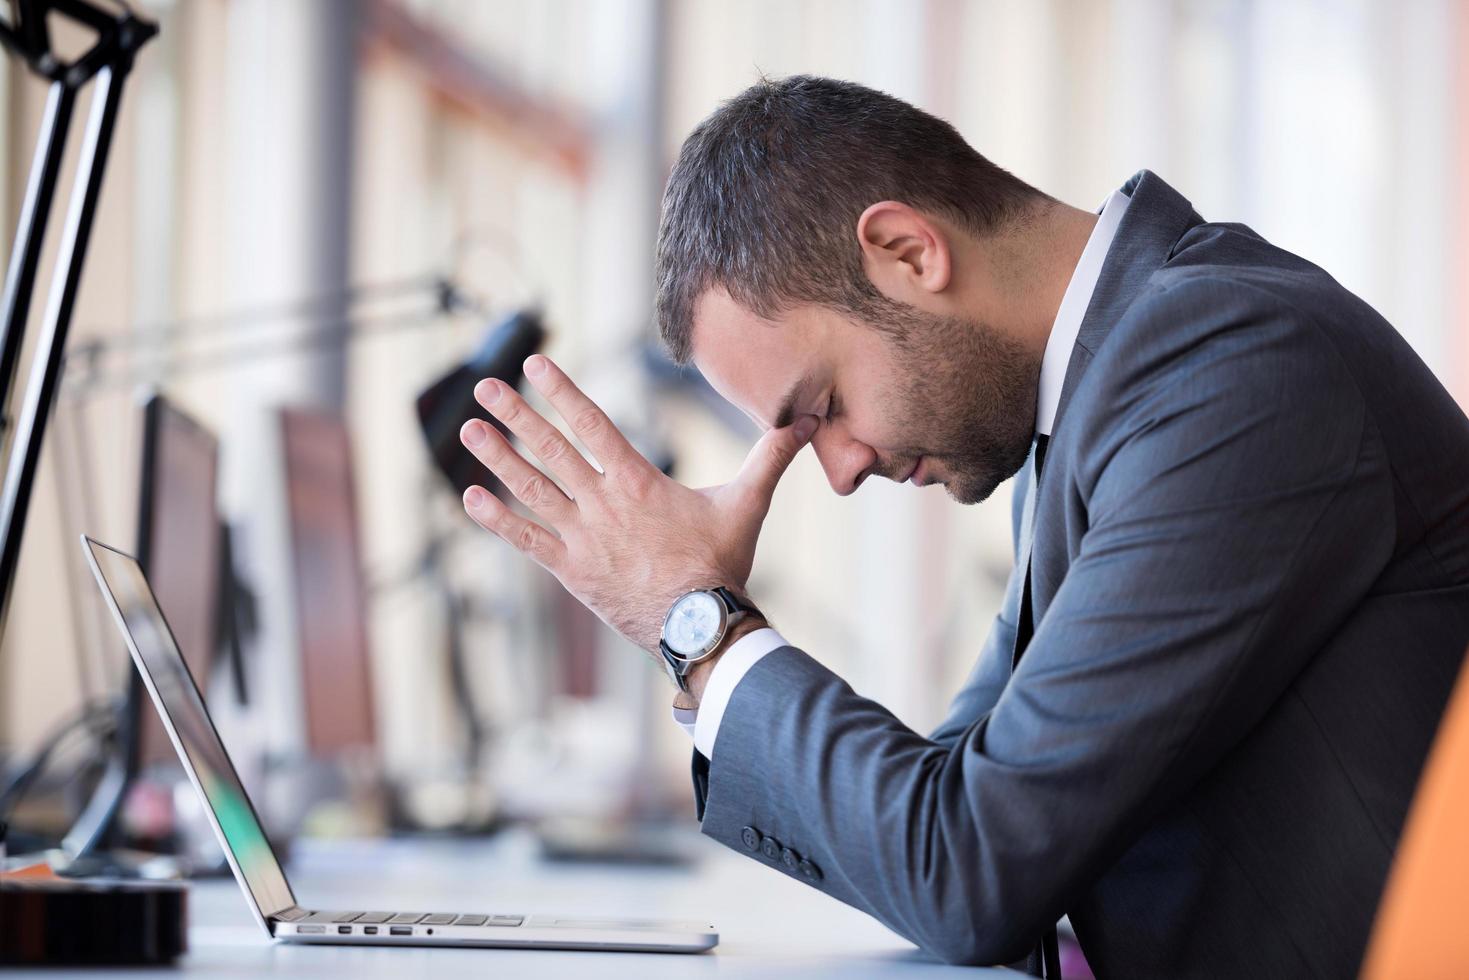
(20, 783)
(322, 336)
(85, 356)
(188, 328)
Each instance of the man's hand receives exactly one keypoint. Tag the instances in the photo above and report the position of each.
(626, 541)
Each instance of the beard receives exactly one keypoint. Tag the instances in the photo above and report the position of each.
(967, 394)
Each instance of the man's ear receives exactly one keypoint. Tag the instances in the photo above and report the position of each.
(904, 252)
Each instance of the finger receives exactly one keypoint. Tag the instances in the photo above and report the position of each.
(530, 486)
(769, 458)
(528, 537)
(590, 424)
(544, 439)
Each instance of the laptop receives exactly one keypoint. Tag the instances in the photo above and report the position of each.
(181, 708)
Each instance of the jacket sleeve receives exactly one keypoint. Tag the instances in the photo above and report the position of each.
(992, 669)
(1237, 508)
(985, 682)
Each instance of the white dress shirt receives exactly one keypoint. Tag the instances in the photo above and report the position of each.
(703, 722)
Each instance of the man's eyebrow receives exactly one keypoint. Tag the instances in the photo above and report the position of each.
(787, 413)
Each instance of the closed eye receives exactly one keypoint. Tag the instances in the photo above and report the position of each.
(833, 407)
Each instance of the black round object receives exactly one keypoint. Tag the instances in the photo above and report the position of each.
(449, 402)
(48, 921)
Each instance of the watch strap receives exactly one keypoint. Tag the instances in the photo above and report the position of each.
(733, 602)
(671, 665)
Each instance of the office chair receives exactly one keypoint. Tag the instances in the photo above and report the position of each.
(1420, 932)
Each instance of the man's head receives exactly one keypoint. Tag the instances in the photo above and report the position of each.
(829, 250)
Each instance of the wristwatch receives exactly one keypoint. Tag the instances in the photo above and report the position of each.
(694, 628)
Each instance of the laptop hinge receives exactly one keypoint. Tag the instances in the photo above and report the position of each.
(288, 914)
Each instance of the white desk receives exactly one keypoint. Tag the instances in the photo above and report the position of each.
(769, 925)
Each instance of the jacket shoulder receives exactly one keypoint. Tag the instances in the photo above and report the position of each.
(1183, 315)
(1204, 344)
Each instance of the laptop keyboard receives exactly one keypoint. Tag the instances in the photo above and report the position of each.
(349, 923)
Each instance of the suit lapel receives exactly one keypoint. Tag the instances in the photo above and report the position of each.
(1157, 218)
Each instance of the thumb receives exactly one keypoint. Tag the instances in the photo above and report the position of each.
(768, 460)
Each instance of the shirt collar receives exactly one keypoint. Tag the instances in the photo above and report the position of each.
(1073, 308)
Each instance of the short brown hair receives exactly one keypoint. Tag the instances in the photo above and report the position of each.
(766, 192)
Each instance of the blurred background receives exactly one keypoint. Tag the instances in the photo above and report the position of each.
(315, 211)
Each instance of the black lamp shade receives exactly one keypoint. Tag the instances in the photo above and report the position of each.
(448, 403)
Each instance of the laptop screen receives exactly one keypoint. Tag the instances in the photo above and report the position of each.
(179, 703)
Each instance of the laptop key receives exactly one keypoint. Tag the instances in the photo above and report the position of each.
(374, 917)
(506, 920)
(291, 915)
(348, 917)
(471, 920)
(438, 919)
(406, 918)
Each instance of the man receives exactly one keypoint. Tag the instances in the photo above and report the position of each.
(1241, 590)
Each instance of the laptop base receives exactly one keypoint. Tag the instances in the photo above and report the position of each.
(299, 925)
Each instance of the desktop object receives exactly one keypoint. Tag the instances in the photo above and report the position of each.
(179, 542)
(181, 707)
(445, 404)
(331, 597)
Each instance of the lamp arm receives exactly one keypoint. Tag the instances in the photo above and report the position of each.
(110, 60)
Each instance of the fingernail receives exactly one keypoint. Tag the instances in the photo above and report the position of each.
(489, 392)
(474, 433)
(474, 497)
(535, 366)
(805, 425)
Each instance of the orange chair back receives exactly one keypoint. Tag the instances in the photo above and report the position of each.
(1422, 930)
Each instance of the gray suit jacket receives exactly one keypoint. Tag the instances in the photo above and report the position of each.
(1251, 595)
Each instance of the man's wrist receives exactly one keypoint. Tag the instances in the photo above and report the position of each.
(698, 677)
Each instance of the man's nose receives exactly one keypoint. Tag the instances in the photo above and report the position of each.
(845, 460)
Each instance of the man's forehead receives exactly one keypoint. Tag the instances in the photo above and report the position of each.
(717, 313)
(753, 363)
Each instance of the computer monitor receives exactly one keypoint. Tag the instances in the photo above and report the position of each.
(331, 597)
(179, 543)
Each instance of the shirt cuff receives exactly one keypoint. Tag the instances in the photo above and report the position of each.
(703, 722)
(685, 717)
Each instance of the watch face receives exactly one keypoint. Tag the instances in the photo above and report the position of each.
(693, 624)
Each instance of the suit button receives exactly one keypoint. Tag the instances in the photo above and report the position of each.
(790, 859)
(770, 847)
(751, 837)
(809, 871)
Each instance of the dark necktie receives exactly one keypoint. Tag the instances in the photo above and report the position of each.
(1025, 628)
(1045, 959)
